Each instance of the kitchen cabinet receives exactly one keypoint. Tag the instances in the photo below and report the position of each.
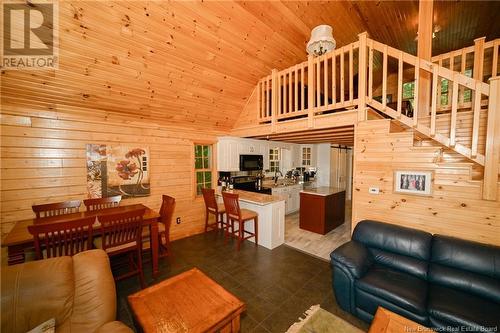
(228, 156)
(322, 209)
(291, 194)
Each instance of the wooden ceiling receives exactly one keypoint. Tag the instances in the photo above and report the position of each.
(338, 135)
(195, 63)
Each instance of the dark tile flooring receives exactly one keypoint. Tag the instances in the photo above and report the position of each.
(277, 286)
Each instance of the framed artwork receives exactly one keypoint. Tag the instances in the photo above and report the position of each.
(416, 182)
(117, 170)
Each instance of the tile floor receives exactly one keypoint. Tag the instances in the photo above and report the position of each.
(315, 244)
(277, 286)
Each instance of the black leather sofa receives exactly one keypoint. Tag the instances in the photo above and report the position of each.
(445, 283)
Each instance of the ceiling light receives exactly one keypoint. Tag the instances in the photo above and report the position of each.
(321, 41)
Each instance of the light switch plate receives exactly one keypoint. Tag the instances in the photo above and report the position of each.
(373, 190)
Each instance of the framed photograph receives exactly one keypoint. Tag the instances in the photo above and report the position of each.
(413, 182)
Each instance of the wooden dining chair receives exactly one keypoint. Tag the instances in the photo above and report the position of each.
(234, 214)
(102, 203)
(212, 207)
(121, 234)
(166, 213)
(55, 209)
(62, 238)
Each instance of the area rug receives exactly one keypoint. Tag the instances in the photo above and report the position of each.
(317, 320)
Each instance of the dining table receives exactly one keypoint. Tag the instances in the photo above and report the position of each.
(18, 240)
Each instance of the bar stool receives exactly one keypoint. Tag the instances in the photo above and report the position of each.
(212, 207)
(241, 216)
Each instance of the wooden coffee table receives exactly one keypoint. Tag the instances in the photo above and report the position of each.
(188, 302)
(386, 321)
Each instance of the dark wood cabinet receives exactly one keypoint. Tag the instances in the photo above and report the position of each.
(322, 209)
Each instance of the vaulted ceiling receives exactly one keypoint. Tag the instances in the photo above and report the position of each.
(196, 63)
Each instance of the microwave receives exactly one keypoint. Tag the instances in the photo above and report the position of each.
(251, 162)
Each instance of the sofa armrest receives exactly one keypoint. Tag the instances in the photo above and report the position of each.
(114, 327)
(353, 257)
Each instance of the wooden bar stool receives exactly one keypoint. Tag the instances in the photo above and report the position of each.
(235, 214)
(212, 207)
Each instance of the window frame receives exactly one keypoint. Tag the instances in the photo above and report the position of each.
(274, 159)
(211, 167)
(308, 156)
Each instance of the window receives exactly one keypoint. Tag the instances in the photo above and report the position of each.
(306, 155)
(444, 92)
(468, 92)
(409, 92)
(202, 167)
(274, 159)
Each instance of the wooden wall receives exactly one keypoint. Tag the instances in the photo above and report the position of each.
(43, 160)
(455, 208)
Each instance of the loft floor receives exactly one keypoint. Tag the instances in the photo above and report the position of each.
(276, 285)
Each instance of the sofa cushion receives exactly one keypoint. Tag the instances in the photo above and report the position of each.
(397, 287)
(468, 266)
(400, 248)
(37, 291)
(459, 308)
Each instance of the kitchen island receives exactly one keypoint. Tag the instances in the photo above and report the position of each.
(271, 210)
(322, 209)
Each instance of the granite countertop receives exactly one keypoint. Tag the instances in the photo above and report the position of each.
(255, 198)
(322, 190)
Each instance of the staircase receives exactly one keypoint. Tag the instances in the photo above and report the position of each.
(368, 74)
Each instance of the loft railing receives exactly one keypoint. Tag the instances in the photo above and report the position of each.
(479, 61)
(347, 78)
(459, 83)
(317, 85)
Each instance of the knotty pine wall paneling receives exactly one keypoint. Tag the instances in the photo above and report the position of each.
(455, 207)
(43, 160)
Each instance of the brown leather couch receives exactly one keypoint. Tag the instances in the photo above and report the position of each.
(79, 292)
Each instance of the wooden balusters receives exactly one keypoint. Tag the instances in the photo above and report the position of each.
(494, 69)
(310, 90)
(325, 80)
(370, 71)
(318, 82)
(475, 119)
(296, 81)
(351, 73)
(415, 95)
(302, 90)
(454, 109)
(342, 72)
(334, 79)
(362, 76)
(384, 78)
(290, 92)
(434, 100)
(400, 83)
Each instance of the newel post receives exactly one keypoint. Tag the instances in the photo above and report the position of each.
(310, 91)
(362, 61)
(477, 71)
(274, 99)
(492, 151)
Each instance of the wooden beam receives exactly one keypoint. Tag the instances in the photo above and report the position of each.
(424, 51)
(492, 152)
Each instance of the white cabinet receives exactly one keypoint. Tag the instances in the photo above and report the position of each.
(228, 157)
(291, 194)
